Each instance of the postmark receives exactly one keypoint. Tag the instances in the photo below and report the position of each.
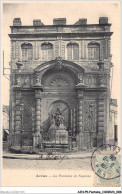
(105, 162)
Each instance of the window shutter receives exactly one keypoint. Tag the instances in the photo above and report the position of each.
(30, 54)
(47, 51)
(93, 51)
(27, 52)
(69, 52)
(72, 51)
(24, 54)
(75, 52)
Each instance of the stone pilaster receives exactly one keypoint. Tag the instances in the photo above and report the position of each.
(85, 50)
(59, 41)
(82, 49)
(71, 121)
(74, 120)
(14, 50)
(103, 118)
(17, 50)
(18, 118)
(34, 51)
(63, 49)
(100, 124)
(60, 49)
(33, 118)
(56, 49)
(109, 47)
(106, 113)
(38, 50)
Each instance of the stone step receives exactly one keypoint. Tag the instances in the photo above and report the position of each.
(46, 145)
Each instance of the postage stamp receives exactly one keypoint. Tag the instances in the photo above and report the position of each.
(105, 162)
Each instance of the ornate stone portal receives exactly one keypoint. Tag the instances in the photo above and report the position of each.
(62, 111)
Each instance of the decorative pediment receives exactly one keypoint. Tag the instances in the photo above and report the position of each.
(60, 64)
(58, 67)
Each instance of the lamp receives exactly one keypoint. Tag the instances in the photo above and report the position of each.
(19, 65)
(101, 65)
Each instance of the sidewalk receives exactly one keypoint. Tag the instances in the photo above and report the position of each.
(45, 156)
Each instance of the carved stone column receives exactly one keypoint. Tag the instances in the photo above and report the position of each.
(80, 135)
(38, 115)
(37, 137)
(74, 120)
(80, 115)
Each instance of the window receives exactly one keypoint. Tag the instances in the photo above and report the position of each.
(72, 51)
(27, 52)
(94, 51)
(47, 51)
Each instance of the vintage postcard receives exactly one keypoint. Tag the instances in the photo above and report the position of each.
(60, 87)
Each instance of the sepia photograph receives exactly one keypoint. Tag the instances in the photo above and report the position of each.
(60, 91)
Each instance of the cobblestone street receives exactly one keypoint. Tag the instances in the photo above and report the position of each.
(47, 164)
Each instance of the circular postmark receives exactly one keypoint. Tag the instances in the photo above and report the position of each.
(105, 161)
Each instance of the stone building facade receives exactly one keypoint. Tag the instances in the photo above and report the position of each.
(60, 74)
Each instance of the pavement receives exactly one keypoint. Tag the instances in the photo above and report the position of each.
(45, 156)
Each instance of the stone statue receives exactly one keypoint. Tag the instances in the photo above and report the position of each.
(57, 131)
(58, 118)
(57, 122)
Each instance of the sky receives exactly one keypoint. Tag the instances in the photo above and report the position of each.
(72, 11)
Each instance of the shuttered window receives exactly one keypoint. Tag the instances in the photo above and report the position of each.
(72, 51)
(27, 52)
(94, 51)
(47, 51)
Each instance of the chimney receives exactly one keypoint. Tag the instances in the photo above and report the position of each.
(37, 23)
(59, 21)
(81, 21)
(103, 20)
(17, 22)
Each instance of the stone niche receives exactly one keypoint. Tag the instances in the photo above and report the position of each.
(59, 92)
